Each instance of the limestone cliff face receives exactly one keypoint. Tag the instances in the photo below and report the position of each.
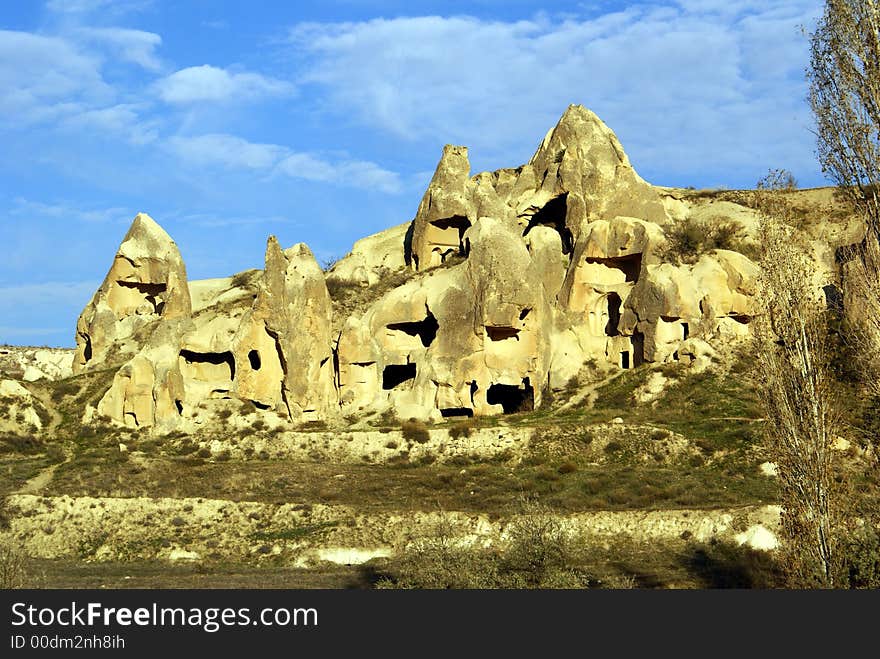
(513, 282)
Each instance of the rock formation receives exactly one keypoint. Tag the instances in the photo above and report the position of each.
(146, 283)
(514, 282)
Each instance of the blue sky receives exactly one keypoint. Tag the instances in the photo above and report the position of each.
(322, 122)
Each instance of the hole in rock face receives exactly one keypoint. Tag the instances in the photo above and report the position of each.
(524, 313)
(87, 349)
(613, 315)
(496, 333)
(397, 374)
(624, 359)
(512, 398)
(254, 359)
(552, 214)
(448, 412)
(446, 238)
(629, 265)
(742, 319)
(685, 331)
(833, 298)
(179, 405)
(425, 329)
(260, 406)
(638, 346)
(214, 359)
(459, 222)
(151, 292)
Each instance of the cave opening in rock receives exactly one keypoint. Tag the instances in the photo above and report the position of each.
(449, 412)
(638, 349)
(741, 319)
(613, 315)
(396, 374)
(501, 333)
(260, 406)
(511, 397)
(552, 214)
(425, 329)
(685, 331)
(254, 359)
(179, 405)
(212, 358)
(446, 237)
(629, 265)
(87, 349)
(152, 292)
(624, 359)
(833, 298)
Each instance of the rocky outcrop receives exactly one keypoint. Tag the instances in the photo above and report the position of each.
(373, 257)
(32, 364)
(517, 281)
(283, 345)
(578, 174)
(20, 411)
(190, 365)
(146, 283)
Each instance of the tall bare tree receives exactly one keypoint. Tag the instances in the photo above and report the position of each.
(844, 79)
(797, 385)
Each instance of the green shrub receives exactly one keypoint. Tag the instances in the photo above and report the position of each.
(688, 239)
(244, 279)
(24, 444)
(340, 288)
(861, 559)
(567, 467)
(415, 431)
(461, 429)
(538, 554)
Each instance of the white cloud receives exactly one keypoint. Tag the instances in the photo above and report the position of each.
(209, 83)
(91, 6)
(227, 150)
(68, 211)
(120, 120)
(694, 85)
(351, 173)
(235, 152)
(134, 46)
(43, 78)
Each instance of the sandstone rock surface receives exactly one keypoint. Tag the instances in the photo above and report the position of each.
(511, 284)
